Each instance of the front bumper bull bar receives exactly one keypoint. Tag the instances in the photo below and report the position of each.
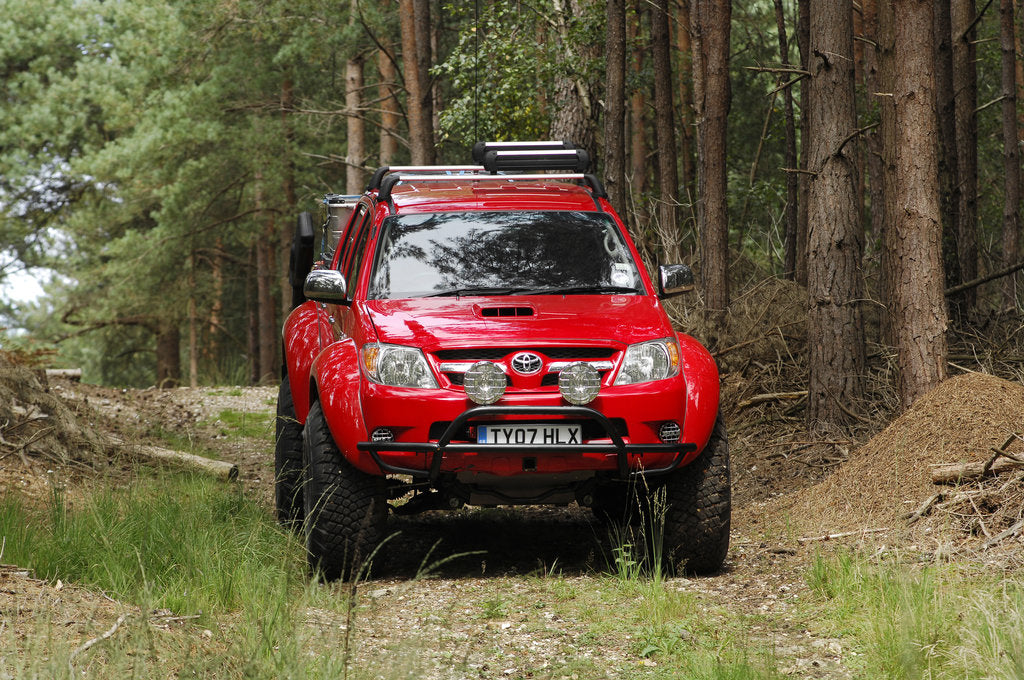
(444, 444)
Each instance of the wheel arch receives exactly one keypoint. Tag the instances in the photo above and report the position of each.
(703, 392)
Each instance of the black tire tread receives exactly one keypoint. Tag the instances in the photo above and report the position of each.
(346, 509)
(699, 509)
(288, 461)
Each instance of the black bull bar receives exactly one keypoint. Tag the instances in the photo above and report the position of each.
(444, 443)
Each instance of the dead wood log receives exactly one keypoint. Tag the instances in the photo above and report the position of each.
(775, 396)
(72, 374)
(218, 468)
(951, 474)
(1012, 531)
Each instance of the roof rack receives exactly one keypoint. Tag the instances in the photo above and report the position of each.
(379, 173)
(389, 182)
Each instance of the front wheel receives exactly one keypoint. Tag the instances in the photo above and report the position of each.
(346, 509)
(699, 508)
(288, 461)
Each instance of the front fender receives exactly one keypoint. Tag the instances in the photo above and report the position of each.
(302, 333)
(702, 392)
(336, 384)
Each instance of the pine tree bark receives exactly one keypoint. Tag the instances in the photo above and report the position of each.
(887, 132)
(1011, 154)
(684, 46)
(168, 355)
(792, 179)
(873, 138)
(421, 136)
(285, 235)
(803, 41)
(573, 110)
(615, 107)
(949, 185)
(389, 115)
(424, 60)
(355, 126)
(710, 29)
(637, 106)
(918, 304)
(835, 325)
(965, 87)
(664, 119)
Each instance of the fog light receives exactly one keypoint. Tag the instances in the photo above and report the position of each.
(668, 433)
(579, 383)
(484, 382)
(382, 434)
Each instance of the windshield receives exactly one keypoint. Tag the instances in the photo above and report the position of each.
(501, 253)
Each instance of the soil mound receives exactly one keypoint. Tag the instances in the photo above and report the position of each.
(888, 478)
(39, 432)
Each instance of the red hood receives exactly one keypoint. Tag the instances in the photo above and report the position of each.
(435, 323)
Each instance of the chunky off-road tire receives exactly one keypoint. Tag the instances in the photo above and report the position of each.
(699, 507)
(288, 461)
(346, 509)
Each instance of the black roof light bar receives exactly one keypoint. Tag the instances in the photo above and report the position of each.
(480, 149)
(573, 160)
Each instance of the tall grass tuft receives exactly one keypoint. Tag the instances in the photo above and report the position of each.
(190, 544)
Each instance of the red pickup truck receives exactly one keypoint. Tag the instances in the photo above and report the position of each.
(488, 335)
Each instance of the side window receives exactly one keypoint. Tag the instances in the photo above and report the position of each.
(350, 236)
(359, 249)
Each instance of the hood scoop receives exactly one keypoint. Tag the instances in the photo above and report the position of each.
(505, 312)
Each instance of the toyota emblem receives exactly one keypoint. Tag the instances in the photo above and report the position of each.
(526, 363)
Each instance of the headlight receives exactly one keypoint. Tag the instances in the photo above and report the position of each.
(397, 366)
(647, 361)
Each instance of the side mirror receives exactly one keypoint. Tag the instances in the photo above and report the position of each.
(326, 285)
(300, 260)
(674, 279)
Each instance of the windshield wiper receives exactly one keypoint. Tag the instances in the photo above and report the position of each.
(583, 290)
(461, 292)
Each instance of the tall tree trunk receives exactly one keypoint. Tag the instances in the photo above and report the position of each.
(615, 107)
(803, 41)
(288, 189)
(886, 70)
(355, 126)
(792, 178)
(835, 327)
(918, 304)
(684, 46)
(664, 125)
(637, 105)
(418, 115)
(268, 360)
(253, 304)
(873, 139)
(965, 87)
(211, 348)
(389, 108)
(949, 185)
(193, 325)
(1011, 154)
(168, 355)
(710, 28)
(573, 113)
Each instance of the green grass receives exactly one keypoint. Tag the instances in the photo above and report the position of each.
(242, 424)
(912, 621)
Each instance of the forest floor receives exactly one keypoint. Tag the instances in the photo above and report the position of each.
(490, 604)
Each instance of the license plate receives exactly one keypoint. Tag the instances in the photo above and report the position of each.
(524, 433)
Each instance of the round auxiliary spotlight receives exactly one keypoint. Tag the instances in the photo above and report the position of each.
(579, 383)
(484, 382)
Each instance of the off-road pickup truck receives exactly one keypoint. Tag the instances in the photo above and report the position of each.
(488, 335)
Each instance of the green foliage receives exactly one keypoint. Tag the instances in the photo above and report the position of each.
(187, 544)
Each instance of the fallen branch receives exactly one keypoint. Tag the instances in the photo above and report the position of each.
(974, 283)
(72, 374)
(218, 468)
(924, 508)
(1000, 462)
(774, 396)
(1012, 531)
(78, 650)
(843, 534)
